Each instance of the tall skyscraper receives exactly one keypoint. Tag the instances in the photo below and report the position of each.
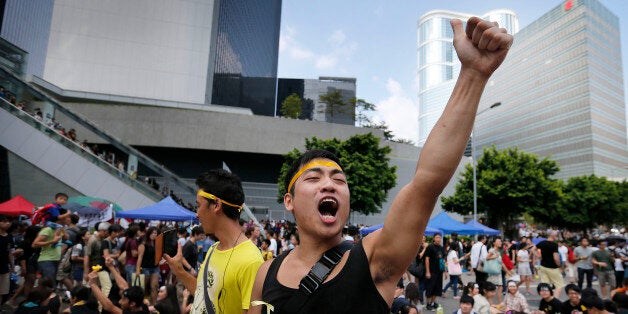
(438, 66)
(162, 52)
(561, 89)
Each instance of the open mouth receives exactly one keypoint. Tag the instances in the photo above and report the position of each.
(328, 207)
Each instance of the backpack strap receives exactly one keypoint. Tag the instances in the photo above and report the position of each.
(317, 275)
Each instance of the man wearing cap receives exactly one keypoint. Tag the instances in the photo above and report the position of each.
(225, 279)
(321, 274)
(95, 250)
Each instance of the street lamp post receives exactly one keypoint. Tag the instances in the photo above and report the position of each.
(475, 191)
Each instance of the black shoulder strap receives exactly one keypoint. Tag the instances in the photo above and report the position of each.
(317, 275)
(209, 306)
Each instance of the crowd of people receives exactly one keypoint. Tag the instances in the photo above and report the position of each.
(501, 268)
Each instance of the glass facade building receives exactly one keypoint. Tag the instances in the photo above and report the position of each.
(561, 89)
(438, 65)
(247, 51)
(162, 52)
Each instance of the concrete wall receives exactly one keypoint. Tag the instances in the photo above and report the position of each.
(201, 129)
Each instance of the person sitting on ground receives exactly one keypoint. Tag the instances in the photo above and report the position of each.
(514, 300)
(573, 304)
(481, 303)
(82, 301)
(471, 289)
(400, 299)
(466, 305)
(594, 304)
(621, 300)
(132, 300)
(36, 302)
(549, 304)
(167, 301)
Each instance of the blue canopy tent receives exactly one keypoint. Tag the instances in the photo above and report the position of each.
(485, 230)
(428, 231)
(444, 222)
(166, 209)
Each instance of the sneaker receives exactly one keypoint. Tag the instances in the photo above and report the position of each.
(429, 307)
(457, 297)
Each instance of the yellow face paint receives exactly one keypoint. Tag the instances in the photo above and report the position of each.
(310, 165)
(202, 193)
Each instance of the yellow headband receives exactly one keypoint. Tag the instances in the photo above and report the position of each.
(213, 197)
(311, 165)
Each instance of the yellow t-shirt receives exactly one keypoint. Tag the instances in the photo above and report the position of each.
(267, 255)
(230, 278)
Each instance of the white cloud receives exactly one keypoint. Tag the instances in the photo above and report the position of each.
(399, 112)
(337, 51)
(326, 62)
(289, 45)
(338, 37)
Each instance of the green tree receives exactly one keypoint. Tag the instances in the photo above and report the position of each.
(589, 201)
(292, 107)
(622, 205)
(365, 163)
(335, 104)
(362, 110)
(509, 183)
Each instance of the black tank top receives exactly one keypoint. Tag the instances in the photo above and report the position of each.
(351, 291)
(148, 259)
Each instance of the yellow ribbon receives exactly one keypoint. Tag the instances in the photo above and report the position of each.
(213, 197)
(310, 165)
(269, 308)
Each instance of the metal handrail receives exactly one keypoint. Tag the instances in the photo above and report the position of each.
(91, 126)
(87, 154)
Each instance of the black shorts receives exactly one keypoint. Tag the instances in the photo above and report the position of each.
(434, 285)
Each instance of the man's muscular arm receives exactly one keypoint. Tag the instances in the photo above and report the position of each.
(481, 49)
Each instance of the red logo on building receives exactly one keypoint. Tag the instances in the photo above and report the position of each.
(568, 5)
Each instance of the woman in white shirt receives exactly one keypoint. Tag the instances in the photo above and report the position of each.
(523, 266)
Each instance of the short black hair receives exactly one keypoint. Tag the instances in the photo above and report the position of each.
(465, 298)
(134, 294)
(487, 286)
(197, 230)
(545, 285)
(303, 160)
(81, 293)
(572, 287)
(60, 195)
(593, 301)
(224, 185)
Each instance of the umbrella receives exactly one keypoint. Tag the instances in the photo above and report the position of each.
(616, 238)
(88, 203)
(428, 230)
(538, 240)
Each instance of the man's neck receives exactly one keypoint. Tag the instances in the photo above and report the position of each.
(230, 235)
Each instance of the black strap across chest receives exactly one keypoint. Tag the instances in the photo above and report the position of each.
(317, 275)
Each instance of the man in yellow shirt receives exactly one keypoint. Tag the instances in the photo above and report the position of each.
(225, 279)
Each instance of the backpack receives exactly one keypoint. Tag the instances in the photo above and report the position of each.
(570, 256)
(40, 215)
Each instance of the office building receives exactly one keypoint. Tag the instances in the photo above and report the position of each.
(438, 66)
(310, 90)
(561, 90)
(166, 52)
